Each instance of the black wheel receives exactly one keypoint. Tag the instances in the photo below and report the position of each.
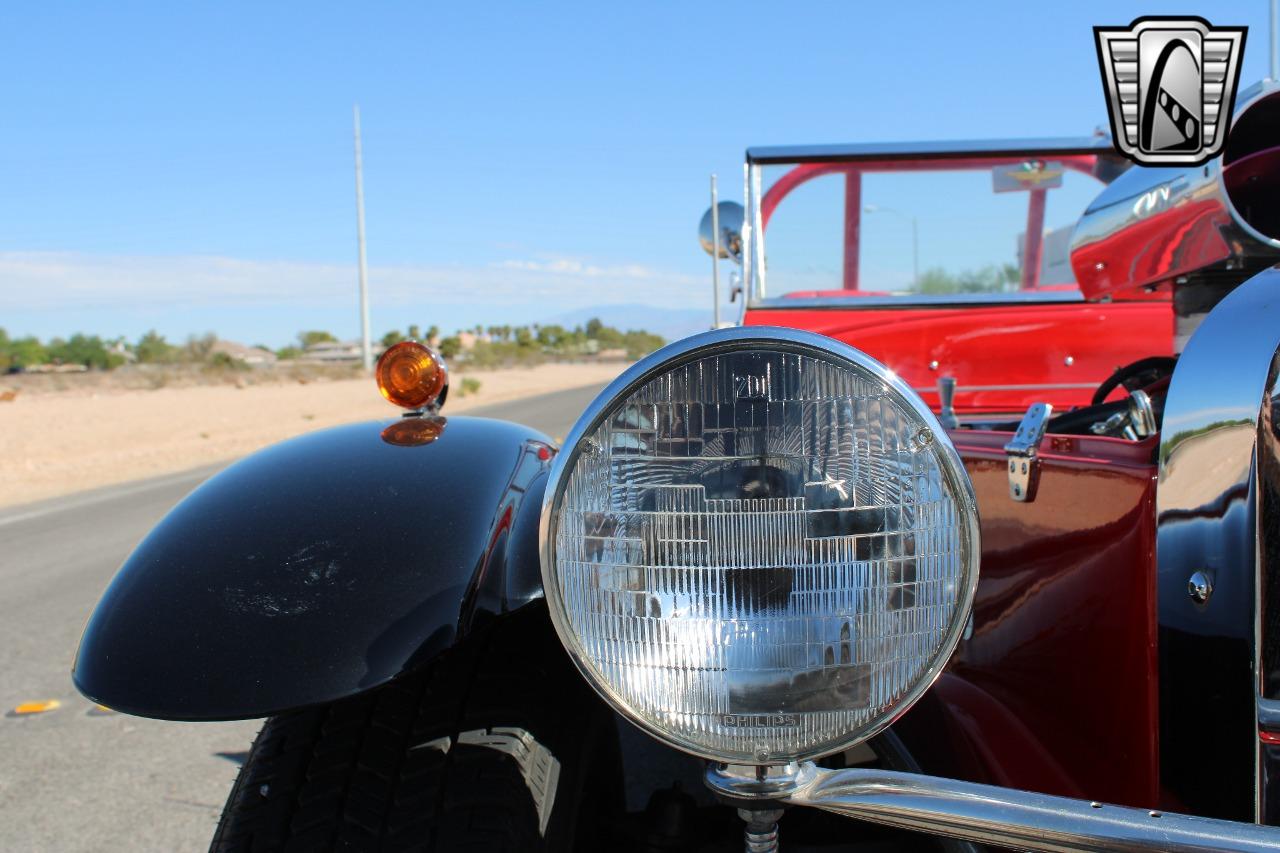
(500, 748)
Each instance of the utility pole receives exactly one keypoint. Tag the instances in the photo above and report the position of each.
(366, 348)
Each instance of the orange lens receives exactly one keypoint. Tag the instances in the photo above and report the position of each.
(410, 375)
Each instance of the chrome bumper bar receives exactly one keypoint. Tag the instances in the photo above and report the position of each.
(999, 816)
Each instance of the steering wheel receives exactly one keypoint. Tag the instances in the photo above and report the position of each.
(1139, 374)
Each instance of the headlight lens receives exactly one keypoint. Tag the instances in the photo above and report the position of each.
(759, 545)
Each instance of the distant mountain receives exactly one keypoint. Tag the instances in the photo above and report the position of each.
(671, 323)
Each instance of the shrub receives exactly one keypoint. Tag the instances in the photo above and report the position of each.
(641, 343)
(224, 361)
(200, 347)
(450, 347)
(88, 350)
(21, 352)
(315, 336)
(152, 348)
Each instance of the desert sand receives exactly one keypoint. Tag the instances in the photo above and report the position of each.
(55, 443)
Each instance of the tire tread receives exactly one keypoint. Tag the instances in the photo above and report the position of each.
(346, 776)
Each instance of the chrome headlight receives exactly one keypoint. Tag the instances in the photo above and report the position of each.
(759, 545)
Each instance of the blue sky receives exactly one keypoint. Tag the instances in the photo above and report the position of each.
(188, 167)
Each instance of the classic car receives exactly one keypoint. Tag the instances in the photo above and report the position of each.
(763, 577)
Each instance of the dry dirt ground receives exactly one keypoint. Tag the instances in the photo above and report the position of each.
(54, 442)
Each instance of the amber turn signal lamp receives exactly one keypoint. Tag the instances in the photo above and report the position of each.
(410, 375)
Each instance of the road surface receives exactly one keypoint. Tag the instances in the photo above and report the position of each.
(77, 778)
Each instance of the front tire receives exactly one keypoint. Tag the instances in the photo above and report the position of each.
(498, 747)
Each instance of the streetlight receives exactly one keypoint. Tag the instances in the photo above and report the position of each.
(366, 350)
(915, 238)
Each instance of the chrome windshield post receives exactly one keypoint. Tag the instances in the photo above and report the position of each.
(753, 250)
(715, 254)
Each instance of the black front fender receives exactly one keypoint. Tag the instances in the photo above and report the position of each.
(318, 568)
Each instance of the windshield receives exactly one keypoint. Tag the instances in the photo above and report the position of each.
(912, 228)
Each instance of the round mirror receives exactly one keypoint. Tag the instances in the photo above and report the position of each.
(731, 217)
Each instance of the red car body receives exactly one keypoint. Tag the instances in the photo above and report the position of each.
(1044, 342)
(1004, 356)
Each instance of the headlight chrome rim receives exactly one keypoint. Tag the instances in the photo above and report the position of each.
(745, 338)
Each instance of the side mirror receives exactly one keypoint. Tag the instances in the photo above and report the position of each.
(731, 217)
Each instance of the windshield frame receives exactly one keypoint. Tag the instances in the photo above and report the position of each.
(1094, 156)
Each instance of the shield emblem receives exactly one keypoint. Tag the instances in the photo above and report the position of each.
(1170, 86)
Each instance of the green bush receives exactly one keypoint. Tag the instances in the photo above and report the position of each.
(224, 361)
(152, 348)
(88, 350)
(988, 279)
(21, 352)
(499, 353)
(450, 347)
(641, 343)
(315, 336)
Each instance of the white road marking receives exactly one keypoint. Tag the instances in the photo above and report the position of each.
(109, 494)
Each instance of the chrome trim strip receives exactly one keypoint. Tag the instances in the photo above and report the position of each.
(1026, 821)
(1060, 386)
(728, 340)
(933, 150)
(1213, 516)
(924, 300)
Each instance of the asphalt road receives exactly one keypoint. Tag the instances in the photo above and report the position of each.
(77, 778)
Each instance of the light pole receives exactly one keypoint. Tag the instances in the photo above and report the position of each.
(366, 350)
(915, 238)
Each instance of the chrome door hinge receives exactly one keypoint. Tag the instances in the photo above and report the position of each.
(1022, 452)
